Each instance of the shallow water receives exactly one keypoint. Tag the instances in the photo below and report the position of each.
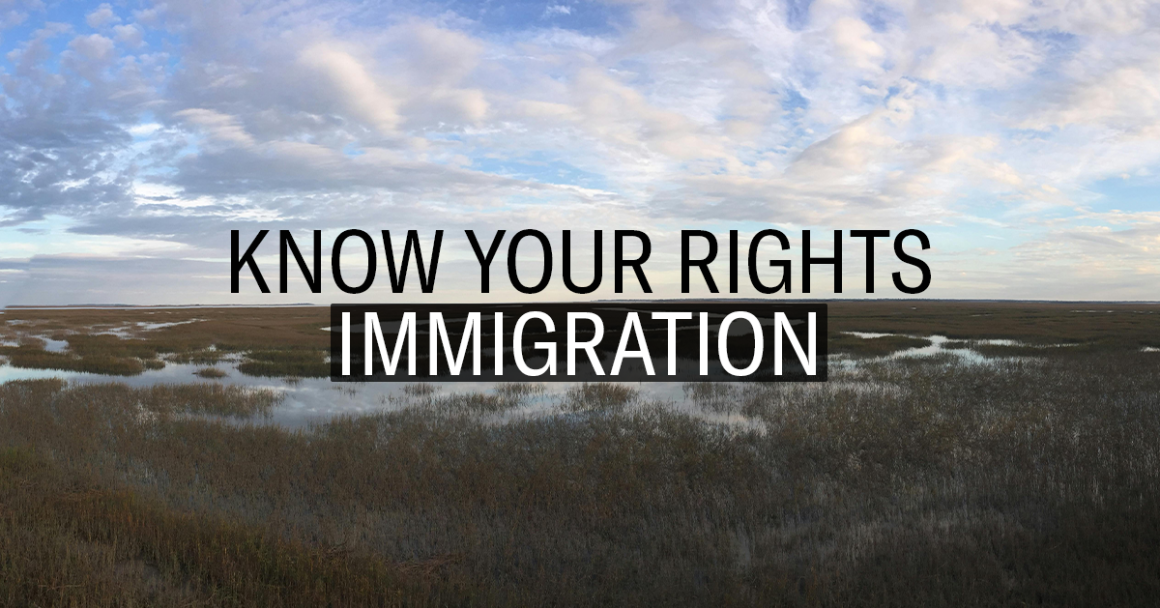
(308, 400)
(312, 399)
(54, 346)
(937, 346)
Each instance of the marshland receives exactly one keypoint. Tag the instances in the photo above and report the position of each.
(961, 453)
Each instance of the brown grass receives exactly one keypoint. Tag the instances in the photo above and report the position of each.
(1128, 326)
(203, 398)
(282, 363)
(67, 541)
(910, 483)
(599, 396)
(225, 330)
(854, 346)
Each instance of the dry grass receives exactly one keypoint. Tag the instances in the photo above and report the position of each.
(919, 484)
(289, 341)
(282, 363)
(1114, 326)
(200, 336)
(66, 541)
(599, 397)
(519, 390)
(425, 398)
(197, 357)
(854, 346)
(922, 482)
(204, 398)
(419, 389)
(34, 358)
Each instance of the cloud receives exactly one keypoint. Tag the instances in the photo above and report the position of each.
(130, 34)
(217, 126)
(352, 85)
(556, 10)
(101, 17)
(94, 47)
(854, 41)
(1124, 100)
(191, 116)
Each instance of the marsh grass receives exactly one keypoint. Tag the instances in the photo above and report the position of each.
(211, 373)
(1115, 327)
(217, 333)
(67, 541)
(426, 398)
(519, 390)
(206, 398)
(713, 396)
(893, 484)
(599, 397)
(936, 359)
(197, 357)
(419, 389)
(110, 364)
(470, 403)
(282, 338)
(97, 354)
(915, 482)
(994, 351)
(855, 346)
(278, 363)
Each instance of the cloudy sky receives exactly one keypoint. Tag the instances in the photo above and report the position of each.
(1023, 137)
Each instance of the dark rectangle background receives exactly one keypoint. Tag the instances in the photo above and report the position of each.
(613, 314)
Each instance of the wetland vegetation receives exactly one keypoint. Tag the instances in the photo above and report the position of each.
(1026, 476)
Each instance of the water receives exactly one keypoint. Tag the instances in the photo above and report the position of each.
(312, 399)
(307, 400)
(54, 346)
(7, 372)
(937, 346)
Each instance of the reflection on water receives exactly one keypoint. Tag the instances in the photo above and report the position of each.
(7, 372)
(54, 346)
(313, 399)
(962, 351)
(937, 346)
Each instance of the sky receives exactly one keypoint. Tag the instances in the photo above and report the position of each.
(1022, 137)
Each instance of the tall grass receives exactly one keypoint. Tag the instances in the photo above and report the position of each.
(203, 398)
(599, 396)
(64, 541)
(917, 483)
(855, 346)
(294, 344)
(280, 363)
(111, 364)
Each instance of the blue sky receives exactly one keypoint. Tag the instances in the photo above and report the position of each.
(1023, 137)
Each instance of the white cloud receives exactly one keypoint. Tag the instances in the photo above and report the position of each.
(352, 85)
(1125, 99)
(93, 47)
(129, 34)
(101, 17)
(1003, 115)
(217, 126)
(556, 10)
(854, 42)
